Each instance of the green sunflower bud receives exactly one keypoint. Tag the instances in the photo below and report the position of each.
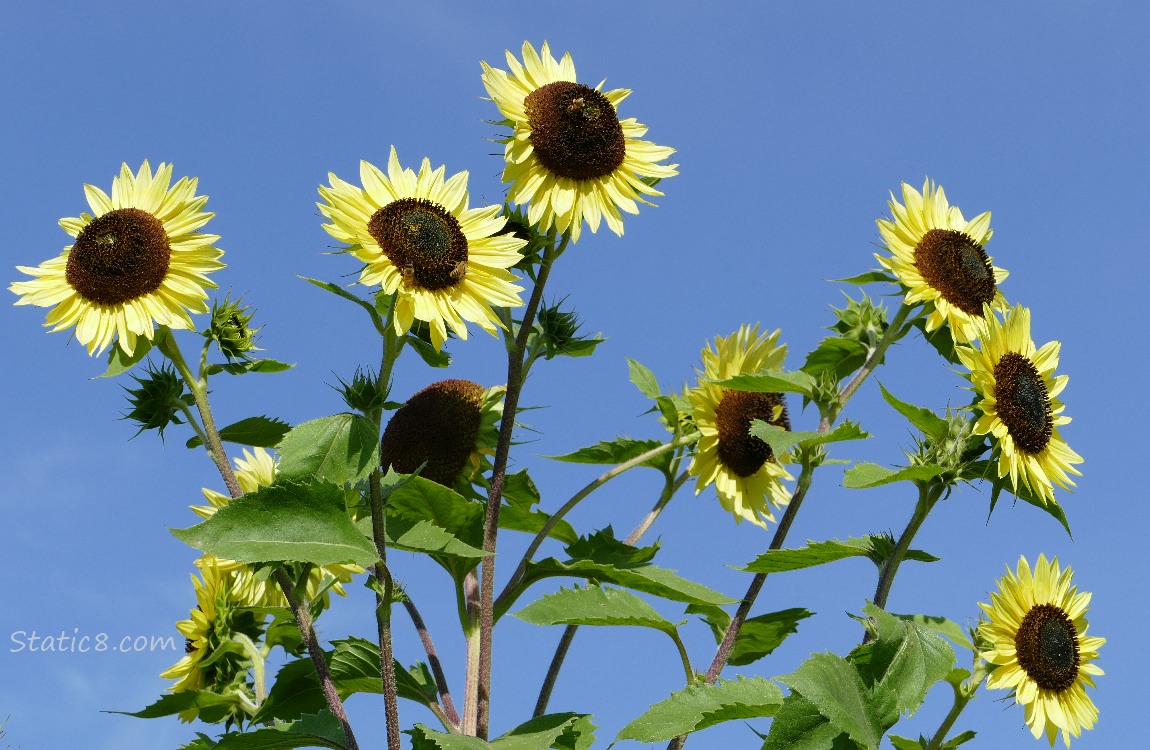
(556, 333)
(159, 400)
(363, 393)
(862, 321)
(230, 329)
(438, 428)
(955, 450)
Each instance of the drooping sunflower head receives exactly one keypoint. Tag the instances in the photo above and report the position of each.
(448, 426)
(446, 264)
(747, 476)
(569, 155)
(1035, 635)
(1016, 397)
(940, 258)
(137, 262)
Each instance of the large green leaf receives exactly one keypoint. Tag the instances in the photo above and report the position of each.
(932, 425)
(260, 432)
(815, 553)
(835, 688)
(771, 382)
(296, 521)
(616, 452)
(865, 475)
(837, 355)
(782, 441)
(906, 660)
(341, 448)
(316, 730)
(758, 636)
(211, 706)
(565, 731)
(420, 499)
(798, 725)
(942, 626)
(700, 706)
(594, 605)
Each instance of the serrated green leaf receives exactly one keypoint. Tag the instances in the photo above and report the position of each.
(835, 354)
(915, 657)
(905, 743)
(798, 725)
(258, 432)
(424, 536)
(119, 362)
(339, 291)
(315, 730)
(815, 553)
(833, 686)
(425, 738)
(594, 605)
(644, 379)
(342, 448)
(932, 425)
(870, 277)
(942, 626)
(297, 521)
(759, 635)
(782, 441)
(771, 382)
(616, 452)
(421, 499)
(700, 706)
(171, 704)
(427, 352)
(865, 475)
(566, 731)
(249, 365)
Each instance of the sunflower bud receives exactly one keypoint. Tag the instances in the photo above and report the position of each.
(954, 450)
(363, 393)
(438, 426)
(159, 399)
(557, 333)
(230, 329)
(862, 321)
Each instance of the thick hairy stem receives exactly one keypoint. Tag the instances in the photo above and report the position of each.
(307, 633)
(433, 662)
(494, 496)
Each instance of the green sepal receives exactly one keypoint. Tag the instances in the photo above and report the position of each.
(758, 636)
(249, 365)
(697, 707)
(782, 441)
(258, 432)
(931, 425)
(865, 475)
(771, 382)
(119, 362)
(342, 448)
(320, 729)
(287, 521)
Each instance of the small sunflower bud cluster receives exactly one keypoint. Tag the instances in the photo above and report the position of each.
(862, 321)
(363, 393)
(955, 450)
(159, 400)
(231, 330)
(557, 333)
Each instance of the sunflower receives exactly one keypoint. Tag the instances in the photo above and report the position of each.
(137, 262)
(1017, 389)
(258, 469)
(940, 259)
(747, 478)
(418, 239)
(569, 155)
(1036, 631)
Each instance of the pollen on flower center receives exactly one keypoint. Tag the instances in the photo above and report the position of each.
(1047, 647)
(958, 267)
(423, 240)
(119, 256)
(1023, 402)
(741, 452)
(575, 132)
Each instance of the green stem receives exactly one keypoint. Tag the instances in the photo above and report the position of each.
(688, 670)
(494, 496)
(927, 497)
(960, 701)
(889, 336)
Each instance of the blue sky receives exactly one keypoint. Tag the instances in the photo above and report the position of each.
(792, 123)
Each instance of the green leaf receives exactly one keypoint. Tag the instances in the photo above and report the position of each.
(616, 452)
(835, 354)
(782, 441)
(420, 499)
(904, 743)
(644, 379)
(425, 738)
(249, 365)
(942, 626)
(424, 536)
(758, 636)
(119, 362)
(864, 475)
(957, 740)
(171, 704)
(870, 277)
(904, 662)
(427, 352)
(342, 448)
(315, 730)
(259, 432)
(940, 338)
(700, 706)
(798, 725)
(339, 291)
(565, 731)
(594, 605)
(815, 553)
(771, 382)
(520, 496)
(299, 521)
(932, 425)
(1023, 492)
(835, 688)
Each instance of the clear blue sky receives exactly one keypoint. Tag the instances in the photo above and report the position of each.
(792, 123)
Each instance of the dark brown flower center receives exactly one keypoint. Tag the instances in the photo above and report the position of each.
(1023, 403)
(574, 130)
(119, 256)
(423, 240)
(957, 267)
(1047, 647)
(438, 425)
(741, 452)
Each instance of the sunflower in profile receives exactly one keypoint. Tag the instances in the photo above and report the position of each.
(446, 263)
(1035, 634)
(137, 262)
(940, 258)
(747, 477)
(255, 470)
(1017, 400)
(569, 155)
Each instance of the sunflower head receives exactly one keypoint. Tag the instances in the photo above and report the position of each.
(1016, 394)
(747, 476)
(569, 155)
(137, 262)
(1035, 636)
(446, 264)
(940, 259)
